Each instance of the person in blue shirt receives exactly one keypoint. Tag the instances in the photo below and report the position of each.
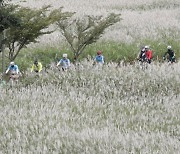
(12, 68)
(99, 58)
(64, 62)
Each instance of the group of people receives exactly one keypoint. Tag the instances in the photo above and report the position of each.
(36, 67)
(145, 55)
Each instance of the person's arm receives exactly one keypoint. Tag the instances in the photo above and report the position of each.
(17, 70)
(59, 62)
(32, 69)
(103, 59)
(173, 54)
(40, 67)
(68, 63)
(7, 70)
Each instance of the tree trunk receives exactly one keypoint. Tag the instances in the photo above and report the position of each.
(76, 56)
(2, 50)
(11, 55)
(1, 44)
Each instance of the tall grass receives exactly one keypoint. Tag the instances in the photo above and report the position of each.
(91, 109)
(117, 108)
(112, 51)
(142, 19)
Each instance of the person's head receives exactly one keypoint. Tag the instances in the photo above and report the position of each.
(64, 55)
(146, 47)
(35, 62)
(99, 52)
(169, 47)
(12, 64)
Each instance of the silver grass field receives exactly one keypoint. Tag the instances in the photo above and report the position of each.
(91, 109)
(99, 109)
(141, 19)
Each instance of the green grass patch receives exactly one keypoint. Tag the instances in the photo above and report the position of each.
(112, 51)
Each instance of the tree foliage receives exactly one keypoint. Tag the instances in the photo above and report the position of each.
(81, 33)
(7, 19)
(7, 16)
(34, 23)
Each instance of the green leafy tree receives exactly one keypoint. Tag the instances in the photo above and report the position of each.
(7, 19)
(81, 33)
(34, 23)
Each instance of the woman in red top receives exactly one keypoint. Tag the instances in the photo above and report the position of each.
(148, 54)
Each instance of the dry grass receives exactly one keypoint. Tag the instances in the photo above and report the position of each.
(94, 110)
(142, 19)
(91, 109)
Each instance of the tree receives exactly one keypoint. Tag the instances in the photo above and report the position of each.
(34, 23)
(7, 18)
(81, 33)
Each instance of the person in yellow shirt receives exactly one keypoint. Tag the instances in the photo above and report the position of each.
(36, 67)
